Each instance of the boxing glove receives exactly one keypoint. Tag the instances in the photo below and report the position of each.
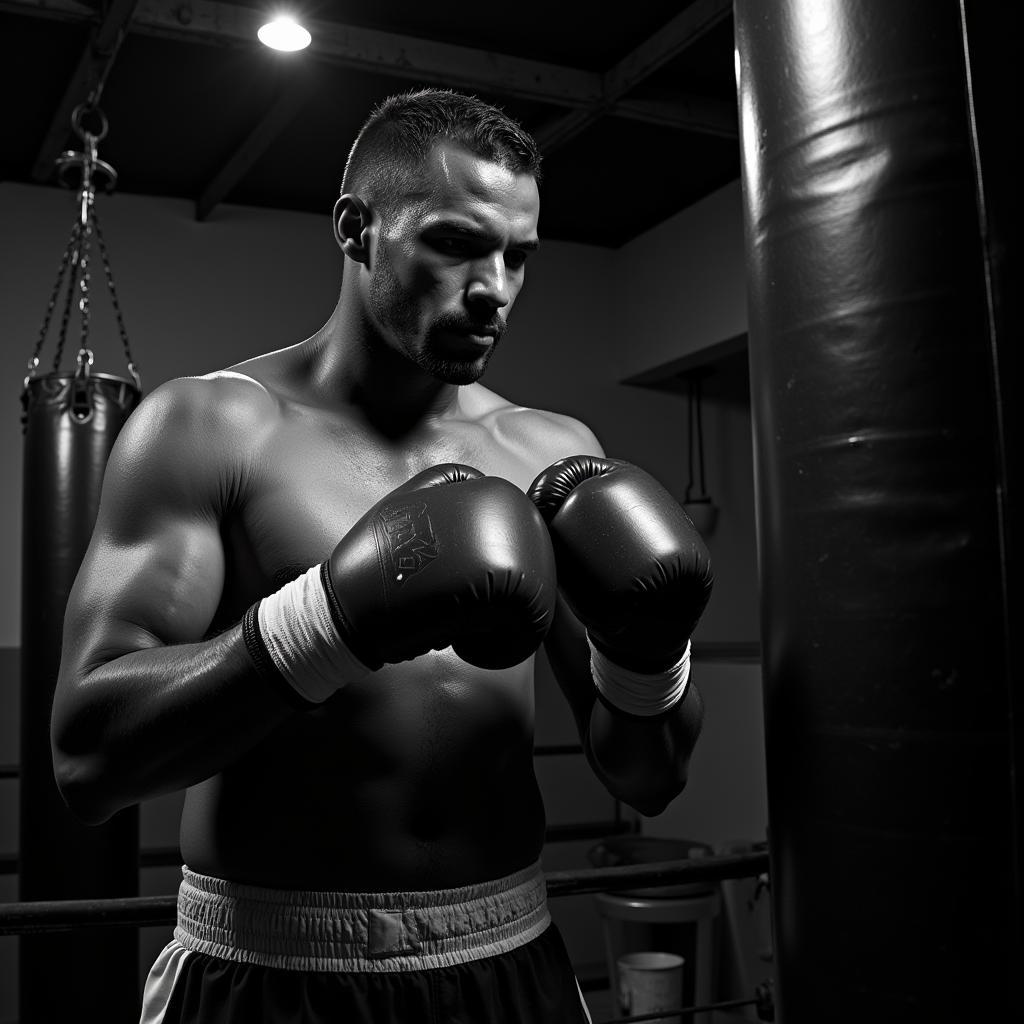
(630, 563)
(450, 558)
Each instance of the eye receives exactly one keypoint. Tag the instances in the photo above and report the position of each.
(515, 259)
(451, 245)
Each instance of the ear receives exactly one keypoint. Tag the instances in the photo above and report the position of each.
(352, 218)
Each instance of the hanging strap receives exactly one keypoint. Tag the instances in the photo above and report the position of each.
(696, 438)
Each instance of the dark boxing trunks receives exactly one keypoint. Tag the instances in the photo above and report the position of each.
(479, 954)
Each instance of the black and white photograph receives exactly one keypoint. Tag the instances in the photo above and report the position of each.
(509, 512)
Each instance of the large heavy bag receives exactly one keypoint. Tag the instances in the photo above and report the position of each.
(883, 500)
(71, 423)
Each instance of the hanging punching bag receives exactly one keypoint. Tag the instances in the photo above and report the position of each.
(882, 515)
(71, 423)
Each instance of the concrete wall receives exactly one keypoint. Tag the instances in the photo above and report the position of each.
(197, 296)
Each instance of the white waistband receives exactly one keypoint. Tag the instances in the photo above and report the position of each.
(339, 931)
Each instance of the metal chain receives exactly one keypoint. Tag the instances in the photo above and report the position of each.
(68, 299)
(33, 363)
(77, 254)
(85, 357)
(114, 300)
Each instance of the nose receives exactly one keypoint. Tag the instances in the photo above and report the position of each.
(488, 283)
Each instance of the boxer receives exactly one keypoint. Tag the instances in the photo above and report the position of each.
(312, 598)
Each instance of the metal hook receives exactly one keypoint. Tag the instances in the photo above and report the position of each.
(80, 130)
(33, 365)
(91, 170)
(85, 361)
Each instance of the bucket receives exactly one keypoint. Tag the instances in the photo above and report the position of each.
(649, 982)
(637, 849)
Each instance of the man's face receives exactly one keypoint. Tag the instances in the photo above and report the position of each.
(450, 260)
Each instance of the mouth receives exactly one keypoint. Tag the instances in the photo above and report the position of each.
(471, 342)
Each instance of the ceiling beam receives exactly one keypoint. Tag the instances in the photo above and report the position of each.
(86, 82)
(386, 53)
(401, 56)
(211, 23)
(296, 93)
(708, 116)
(668, 42)
(672, 39)
(58, 10)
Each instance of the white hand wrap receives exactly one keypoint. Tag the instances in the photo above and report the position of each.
(639, 693)
(303, 643)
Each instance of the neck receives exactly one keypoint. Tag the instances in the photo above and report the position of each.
(351, 363)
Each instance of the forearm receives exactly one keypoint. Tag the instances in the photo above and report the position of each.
(634, 578)
(644, 761)
(641, 761)
(158, 720)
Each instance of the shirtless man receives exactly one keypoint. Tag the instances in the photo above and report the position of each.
(312, 598)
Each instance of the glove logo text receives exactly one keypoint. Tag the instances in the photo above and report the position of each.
(410, 537)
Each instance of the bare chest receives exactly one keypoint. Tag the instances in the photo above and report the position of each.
(314, 478)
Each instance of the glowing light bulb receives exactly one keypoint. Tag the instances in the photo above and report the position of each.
(284, 34)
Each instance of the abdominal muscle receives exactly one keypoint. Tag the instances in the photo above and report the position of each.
(417, 777)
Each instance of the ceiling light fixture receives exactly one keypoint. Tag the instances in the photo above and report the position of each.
(284, 34)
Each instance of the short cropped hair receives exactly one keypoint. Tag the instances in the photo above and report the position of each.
(395, 140)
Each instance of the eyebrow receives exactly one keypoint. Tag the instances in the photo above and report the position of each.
(459, 228)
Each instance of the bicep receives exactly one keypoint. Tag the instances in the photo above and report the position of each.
(129, 597)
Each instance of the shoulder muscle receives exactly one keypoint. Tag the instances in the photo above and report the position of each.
(182, 452)
(551, 436)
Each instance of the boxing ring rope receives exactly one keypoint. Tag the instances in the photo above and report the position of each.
(28, 918)
(140, 911)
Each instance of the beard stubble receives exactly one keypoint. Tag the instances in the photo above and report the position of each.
(398, 312)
